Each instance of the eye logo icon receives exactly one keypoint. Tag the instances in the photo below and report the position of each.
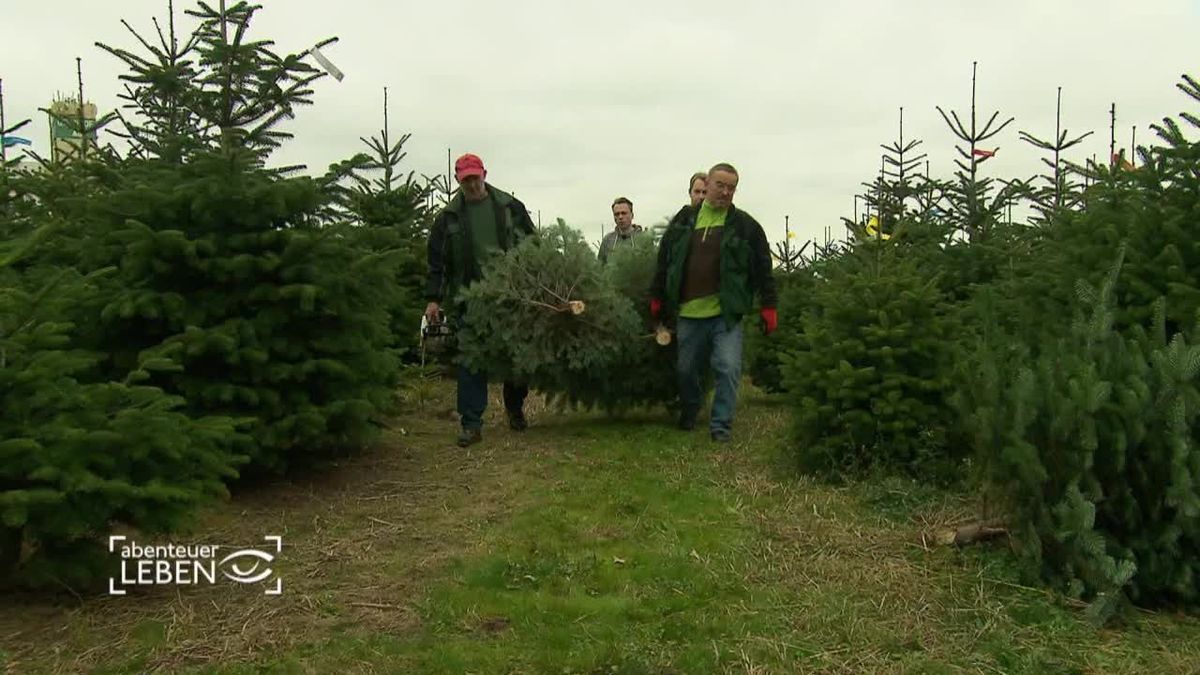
(191, 564)
(247, 572)
(245, 576)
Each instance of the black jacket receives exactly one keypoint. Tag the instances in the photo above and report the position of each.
(745, 263)
(452, 263)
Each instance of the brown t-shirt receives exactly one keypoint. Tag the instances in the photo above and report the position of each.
(702, 275)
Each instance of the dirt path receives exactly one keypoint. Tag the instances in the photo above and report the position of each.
(360, 540)
(590, 545)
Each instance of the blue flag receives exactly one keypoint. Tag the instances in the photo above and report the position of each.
(10, 141)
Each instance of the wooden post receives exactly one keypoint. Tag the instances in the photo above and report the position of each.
(1112, 136)
(83, 132)
(1133, 148)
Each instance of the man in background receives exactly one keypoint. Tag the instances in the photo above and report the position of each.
(625, 230)
(696, 187)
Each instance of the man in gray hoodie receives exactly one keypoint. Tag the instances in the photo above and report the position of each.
(624, 231)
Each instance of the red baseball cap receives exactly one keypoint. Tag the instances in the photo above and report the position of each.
(468, 165)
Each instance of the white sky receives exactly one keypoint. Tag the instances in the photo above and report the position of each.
(572, 104)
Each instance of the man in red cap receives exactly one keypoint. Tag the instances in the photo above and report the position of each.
(712, 260)
(479, 221)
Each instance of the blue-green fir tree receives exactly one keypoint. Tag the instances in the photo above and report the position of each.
(1086, 445)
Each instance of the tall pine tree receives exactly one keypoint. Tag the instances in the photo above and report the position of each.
(392, 212)
(973, 199)
(1058, 189)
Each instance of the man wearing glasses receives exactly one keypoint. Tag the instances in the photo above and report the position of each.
(712, 260)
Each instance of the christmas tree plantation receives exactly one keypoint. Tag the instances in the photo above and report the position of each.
(175, 316)
(244, 278)
(1084, 430)
(1087, 443)
(225, 272)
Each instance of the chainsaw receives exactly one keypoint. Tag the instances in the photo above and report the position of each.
(437, 336)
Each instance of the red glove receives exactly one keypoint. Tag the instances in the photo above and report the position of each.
(770, 319)
(655, 308)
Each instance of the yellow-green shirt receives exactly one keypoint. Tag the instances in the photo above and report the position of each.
(709, 305)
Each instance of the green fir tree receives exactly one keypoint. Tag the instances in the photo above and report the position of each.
(231, 269)
(1058, 190)
(1086, 445)
(869, 373)
(79, 455)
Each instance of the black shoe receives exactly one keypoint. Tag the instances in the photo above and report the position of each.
(722, 436)
(469, 437)
(517, 422)
(686, 422)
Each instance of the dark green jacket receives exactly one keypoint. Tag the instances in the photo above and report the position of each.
(452, 263)
(745, 263)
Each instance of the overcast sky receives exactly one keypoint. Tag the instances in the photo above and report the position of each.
(572, 104)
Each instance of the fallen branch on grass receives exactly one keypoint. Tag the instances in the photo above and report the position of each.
(968, 534)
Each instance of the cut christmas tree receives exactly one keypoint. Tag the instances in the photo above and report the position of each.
(549, 314)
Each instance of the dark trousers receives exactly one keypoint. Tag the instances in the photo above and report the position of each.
(473, 397)
(472, 391)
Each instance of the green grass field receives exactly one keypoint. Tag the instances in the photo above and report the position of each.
(591, 545)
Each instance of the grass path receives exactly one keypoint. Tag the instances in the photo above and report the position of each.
(590, 545)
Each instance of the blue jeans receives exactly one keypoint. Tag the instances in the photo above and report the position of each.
(704, 342)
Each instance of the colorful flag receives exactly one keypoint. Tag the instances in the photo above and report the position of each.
(10, 141)
(874, 230)
(984, 154)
